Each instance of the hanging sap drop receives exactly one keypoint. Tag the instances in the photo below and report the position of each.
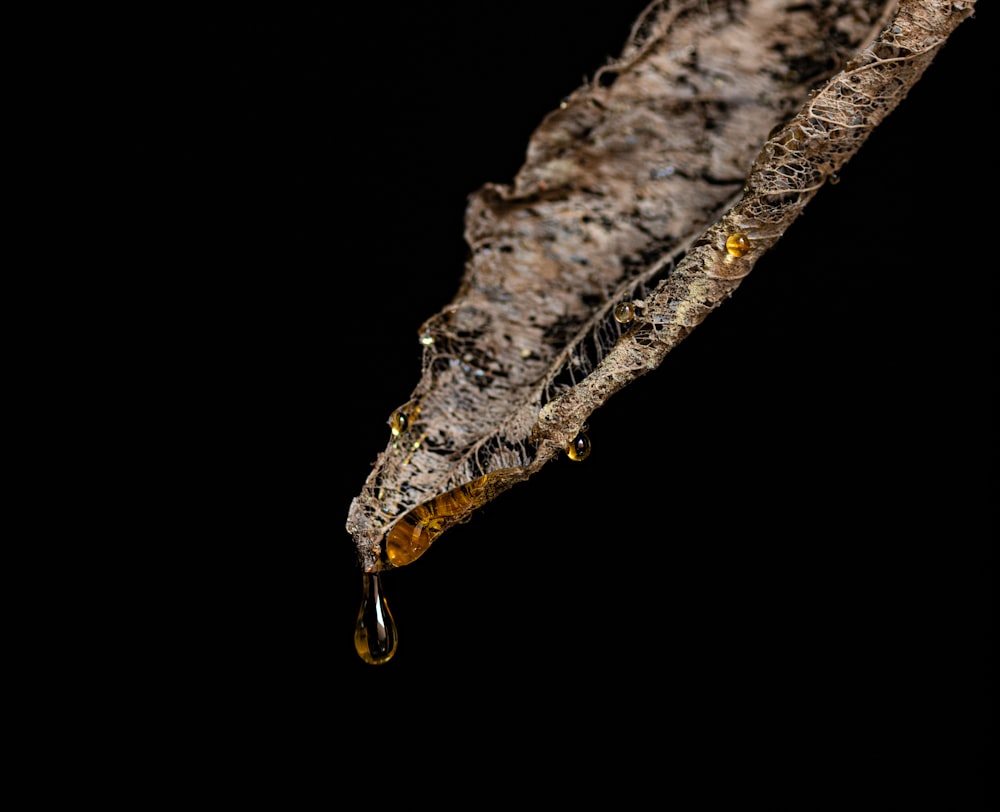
(579, 449)
(375, 632)
(737, 244)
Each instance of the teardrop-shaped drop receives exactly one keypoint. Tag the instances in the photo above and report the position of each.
(375, 632)
(579, 449)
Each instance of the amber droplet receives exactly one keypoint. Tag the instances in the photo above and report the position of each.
(834, 178)
(579, 449)
(625, 312)
(375, 633)
(399, 423)
(737, 244)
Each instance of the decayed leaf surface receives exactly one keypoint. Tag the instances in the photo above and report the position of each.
(720, 120)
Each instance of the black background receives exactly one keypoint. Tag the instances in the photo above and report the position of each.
(786, 599)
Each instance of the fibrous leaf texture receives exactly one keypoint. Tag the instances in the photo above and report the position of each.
(716, 126)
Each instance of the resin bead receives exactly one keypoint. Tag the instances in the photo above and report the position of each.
(579, 449)
(399, 423)
(625, 312)
(737, 244)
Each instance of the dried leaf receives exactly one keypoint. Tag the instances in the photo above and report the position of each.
(654, 189)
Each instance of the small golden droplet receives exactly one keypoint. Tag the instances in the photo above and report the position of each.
(625, 312)
(579, 449)
(426, 339)
(737, 244)
(834, 178)
(375, 632)
(399, 423)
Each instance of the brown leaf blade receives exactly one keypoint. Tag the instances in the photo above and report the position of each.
(629, 194)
